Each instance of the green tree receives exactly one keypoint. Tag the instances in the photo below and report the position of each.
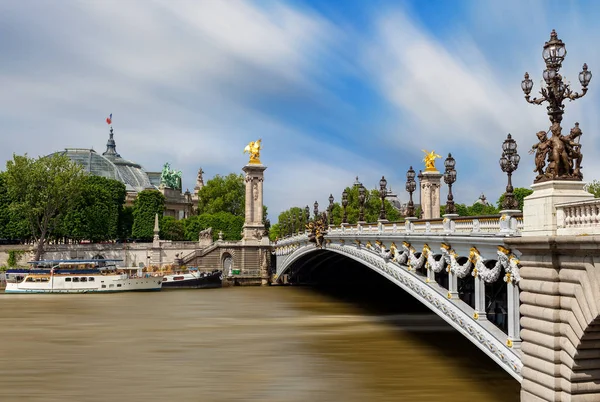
(372, 207)
(94, 214)
(594, 188)
(231, 225)
(125, 222)
(172, 229)
(520, 194)
(42, 189)
(147, 204)
(223, 194)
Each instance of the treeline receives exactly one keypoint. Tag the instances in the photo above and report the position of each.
(51, 199)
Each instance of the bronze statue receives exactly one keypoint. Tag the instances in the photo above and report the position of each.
(430, 161)
(317, 231)
(563, 155)
(253, 149)
(541, 151)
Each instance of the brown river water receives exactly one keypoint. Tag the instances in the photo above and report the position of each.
(234, 344)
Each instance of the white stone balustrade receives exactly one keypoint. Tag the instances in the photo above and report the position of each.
(578, 217)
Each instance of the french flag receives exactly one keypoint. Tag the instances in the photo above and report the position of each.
(109, 119)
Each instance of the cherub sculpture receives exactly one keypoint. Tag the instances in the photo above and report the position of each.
(541, 151)
(573, 148)
(253, 149)
(430, 161)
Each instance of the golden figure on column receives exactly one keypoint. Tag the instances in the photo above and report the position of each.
(430, 161)
(254, 150)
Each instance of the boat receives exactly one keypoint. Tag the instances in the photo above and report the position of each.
(80, 276)
(192, 279)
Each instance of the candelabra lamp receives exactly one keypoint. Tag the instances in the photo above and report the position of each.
(509, 162)
(344, 205)
(449, 179)
(382, 194)
(361, 202)
(411, 186)
(330, 209)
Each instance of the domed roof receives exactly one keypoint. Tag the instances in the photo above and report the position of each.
(110, 165)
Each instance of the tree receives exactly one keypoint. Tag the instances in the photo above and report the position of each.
(125, 223)
(42, 189)
(229, 224)
(147, 204)
(520, 193)
(172, 229)
(223, 194)
(594, 188)
(94, 214)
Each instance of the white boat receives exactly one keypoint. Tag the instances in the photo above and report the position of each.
(80, 276)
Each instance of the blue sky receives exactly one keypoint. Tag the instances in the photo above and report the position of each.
(335, 89)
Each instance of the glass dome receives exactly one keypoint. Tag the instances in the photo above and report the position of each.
(110, 165)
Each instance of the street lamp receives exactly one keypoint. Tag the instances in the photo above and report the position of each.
(382, 194)
(344, 205)
(330, 210)
(554, 93)
(410, 187)
(449, 179)
(361, 202)
(307, 214)
(316, 209)
(509, 162)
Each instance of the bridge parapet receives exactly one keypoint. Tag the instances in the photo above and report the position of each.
(578, 218)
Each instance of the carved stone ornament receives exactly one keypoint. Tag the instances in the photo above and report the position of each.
(206, 233)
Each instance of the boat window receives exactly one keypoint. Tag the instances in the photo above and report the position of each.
(111, 286)
(103, 286)
(67, 279)
(118, 285)
(45, 279)
(83, 279)
(29, 279)
(75, 279)
(91, 279)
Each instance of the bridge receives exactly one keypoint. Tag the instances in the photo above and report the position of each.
(539, 266)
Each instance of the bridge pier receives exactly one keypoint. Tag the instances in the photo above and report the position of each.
(560, 317)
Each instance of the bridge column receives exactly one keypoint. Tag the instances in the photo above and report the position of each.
(430, 194)
(480, 313)
(514, 326)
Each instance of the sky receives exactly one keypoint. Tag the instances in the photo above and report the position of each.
(335, 89)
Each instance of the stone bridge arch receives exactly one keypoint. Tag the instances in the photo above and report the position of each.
(454, 311)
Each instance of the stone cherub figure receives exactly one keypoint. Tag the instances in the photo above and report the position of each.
(429, 160)
(253, 149)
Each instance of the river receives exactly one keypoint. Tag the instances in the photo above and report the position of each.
(292, 344)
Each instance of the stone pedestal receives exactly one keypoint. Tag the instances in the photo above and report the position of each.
(254, 228)
(539, 209)
(430, 194)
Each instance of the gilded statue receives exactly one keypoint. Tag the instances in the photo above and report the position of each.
(316, 230)
(253, 149)
(430, 161)
(562, 153)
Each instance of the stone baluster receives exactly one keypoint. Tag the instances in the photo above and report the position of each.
(452, 285)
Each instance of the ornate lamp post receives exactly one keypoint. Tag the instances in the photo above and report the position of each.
(382, 194)
(344, 205)
(330, 209)
(361, 202)
(509, 162)
(561, 150)
(449, 179)
(307, 214)
(411, 186)
(316, 209)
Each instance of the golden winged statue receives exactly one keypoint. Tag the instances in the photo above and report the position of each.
(430, 161)
(254, 150)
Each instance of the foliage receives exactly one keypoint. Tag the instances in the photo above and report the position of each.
(223, 194)
(94, 213)
(42, 190)
(594, 188)
(520, 193)
(13, 257)
(125, 222)
(229, 224)
(147, 204)
(172, 229)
